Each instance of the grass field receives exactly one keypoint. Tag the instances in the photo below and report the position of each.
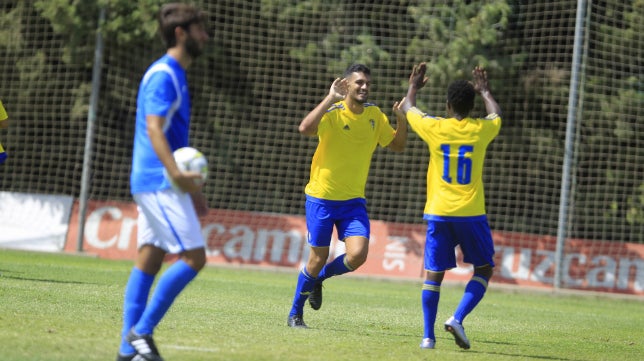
(67, 308)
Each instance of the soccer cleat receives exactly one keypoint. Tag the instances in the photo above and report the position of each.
(296, 322)
(144, 346)
(427, 343)
(132, 357)
(456, 329)
(315, 298)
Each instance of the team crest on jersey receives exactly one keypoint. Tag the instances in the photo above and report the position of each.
(373, 123)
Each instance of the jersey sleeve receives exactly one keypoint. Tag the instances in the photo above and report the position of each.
(387, 132)
(159, 94)
(492, 123)
(420, 123)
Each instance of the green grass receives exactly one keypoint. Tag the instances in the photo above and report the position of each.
(67, 308)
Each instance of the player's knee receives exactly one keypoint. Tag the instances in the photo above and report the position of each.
(196, 259)
(434, 276)
(356, 260)
(486, 271)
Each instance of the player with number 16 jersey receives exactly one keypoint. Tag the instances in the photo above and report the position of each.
(454, 176)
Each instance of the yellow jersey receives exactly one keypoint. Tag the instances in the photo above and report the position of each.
(346, 142)
(3, 116)
(456, 156)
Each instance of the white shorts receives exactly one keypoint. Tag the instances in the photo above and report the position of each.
(167, 220)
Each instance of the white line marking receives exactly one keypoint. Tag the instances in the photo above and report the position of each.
(190, 348)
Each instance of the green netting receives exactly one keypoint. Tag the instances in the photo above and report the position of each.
(270, 62)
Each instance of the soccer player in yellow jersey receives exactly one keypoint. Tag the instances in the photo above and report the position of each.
(455, 208)
(348, 130)
(4, 123)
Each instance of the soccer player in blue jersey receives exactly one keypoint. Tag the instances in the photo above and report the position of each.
(455, 205)
(348, 129)
(168, 219)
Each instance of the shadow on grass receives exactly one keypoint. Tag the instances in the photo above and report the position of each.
(521, 356)
(3, 274)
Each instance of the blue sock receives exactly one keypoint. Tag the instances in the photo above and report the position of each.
(337, 267)
(474, 292)
(430, 295)
(136, 296)
(170, 284)
(303, 289)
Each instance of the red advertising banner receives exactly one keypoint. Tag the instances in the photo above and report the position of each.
(395, 250)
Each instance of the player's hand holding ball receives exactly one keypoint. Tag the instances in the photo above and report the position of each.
(194, 170)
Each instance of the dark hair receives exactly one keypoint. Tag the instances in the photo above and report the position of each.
(357, 68)
(460, 95)
(177, 14)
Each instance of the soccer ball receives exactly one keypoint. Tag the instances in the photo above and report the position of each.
(190, 160)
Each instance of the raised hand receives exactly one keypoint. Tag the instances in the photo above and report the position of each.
(479, 80)
(398, 109)
(338, 89)
(417, 78)
(481, 86)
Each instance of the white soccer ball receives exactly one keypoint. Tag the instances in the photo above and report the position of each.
(190, 160)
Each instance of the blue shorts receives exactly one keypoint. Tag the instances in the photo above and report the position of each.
(349, 217)
(472, 234)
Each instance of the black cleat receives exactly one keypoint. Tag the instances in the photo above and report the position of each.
(296, 322)
(315, 298)
(144, 346)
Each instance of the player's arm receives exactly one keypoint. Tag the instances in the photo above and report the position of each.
(309, 125)
(481, 86)
(184, 180)
(417, 81)
(400, 139)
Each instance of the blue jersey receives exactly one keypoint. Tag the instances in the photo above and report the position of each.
(162, 92)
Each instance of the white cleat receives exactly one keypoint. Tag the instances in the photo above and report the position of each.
(427, 343)
(456, 329)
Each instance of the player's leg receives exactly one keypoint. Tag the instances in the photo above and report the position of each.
(357, 248)
(354, 229)
(430, 295)
(320, 229)
(147, 265)
(306, 281)
(474, 292)
(438, 257)
(172, 218)
(170, 284)
(478, 249)
(475, 239)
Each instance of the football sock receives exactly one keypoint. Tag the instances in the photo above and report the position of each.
(474, 292)
(430, 295)
(170, 284)
(136, 296)
(337, 267)
(305, 284)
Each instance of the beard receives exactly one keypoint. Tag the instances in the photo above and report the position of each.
(193, 48)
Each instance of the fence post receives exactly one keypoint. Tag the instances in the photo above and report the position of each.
(566, 196)
(89, 135)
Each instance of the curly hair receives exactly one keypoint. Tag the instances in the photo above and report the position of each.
(460, 95)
